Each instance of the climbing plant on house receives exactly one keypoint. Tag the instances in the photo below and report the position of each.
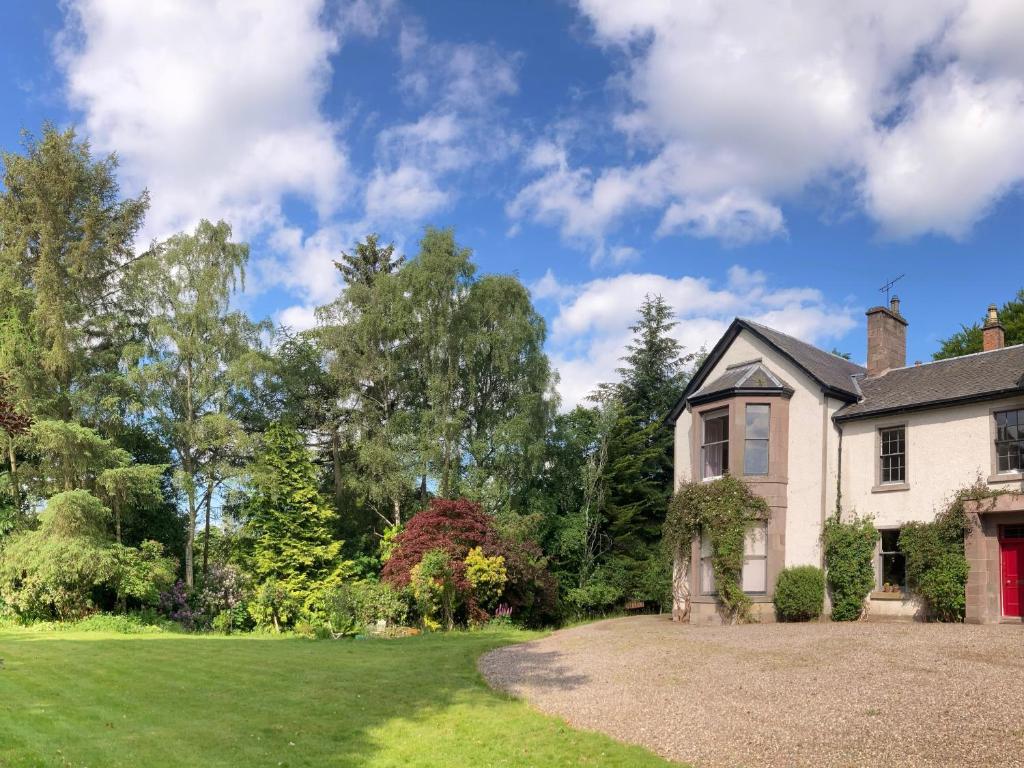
(849, 560)
(936, 565)
(722, 511)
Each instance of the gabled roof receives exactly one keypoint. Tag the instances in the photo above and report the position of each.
(832, 373)
(981, 376)
(743, 378)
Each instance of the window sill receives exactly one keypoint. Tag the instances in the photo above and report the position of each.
(1007, 477)
(888, 595)
(890, 487)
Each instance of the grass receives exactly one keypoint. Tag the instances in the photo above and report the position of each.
(102, 699)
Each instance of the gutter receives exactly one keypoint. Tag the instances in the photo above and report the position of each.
(932, 404)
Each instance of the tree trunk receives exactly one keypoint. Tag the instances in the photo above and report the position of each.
(336, 458)
(398, 512)
(680, 587)
(206, 531)
(117, 520)
(15, 490)
(190, 540)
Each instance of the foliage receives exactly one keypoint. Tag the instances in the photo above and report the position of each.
(197, 360)
(354, 606)
(458, 526)
(969, 338)
(69, 304)
(436, 587)
(487, 576)
(291, 524)
(799, 593)
(388, 542)
(722, 511)
(935, 564)
(143, 574)
(273, 605)
(849, 561)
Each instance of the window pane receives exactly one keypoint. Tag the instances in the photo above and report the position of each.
(894, 569)
(715, 428)
(755, 457)
(707, 576)
(758, 421)
(755, 574)
(890, 540)
(705, 546)
(756, 542)
(714, 464)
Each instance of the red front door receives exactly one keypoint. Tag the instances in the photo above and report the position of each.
(1012, 572)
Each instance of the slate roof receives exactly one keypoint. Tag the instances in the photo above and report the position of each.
(829, 370)
(981, 376)
(744, 377)
(834, 374)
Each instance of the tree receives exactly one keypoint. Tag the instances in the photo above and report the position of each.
(969, 338)
(639, 476)
(507, 397)
(365, 337)
(290, 521)
(69, 303)
(196, 354)
(369, 261)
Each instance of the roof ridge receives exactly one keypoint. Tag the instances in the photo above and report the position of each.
(951, 359)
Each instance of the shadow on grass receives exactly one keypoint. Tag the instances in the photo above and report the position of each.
(194, 700)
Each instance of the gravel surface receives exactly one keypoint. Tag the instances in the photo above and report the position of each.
(823, 694)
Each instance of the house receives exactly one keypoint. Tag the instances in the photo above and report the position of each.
(807, 429)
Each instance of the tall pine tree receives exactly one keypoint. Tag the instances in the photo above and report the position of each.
(639, 463)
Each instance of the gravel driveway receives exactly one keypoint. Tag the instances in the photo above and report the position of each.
(824, 694)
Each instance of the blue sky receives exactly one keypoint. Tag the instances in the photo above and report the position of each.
(777, 161)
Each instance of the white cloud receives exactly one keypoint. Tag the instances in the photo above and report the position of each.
(591, 328)
(212, 105)
(407, 193)
(734, 109)
(959, 149)
(418, 162)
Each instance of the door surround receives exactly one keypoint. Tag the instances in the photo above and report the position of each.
(989, 517)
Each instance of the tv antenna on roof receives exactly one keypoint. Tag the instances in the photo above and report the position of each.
(888, 286)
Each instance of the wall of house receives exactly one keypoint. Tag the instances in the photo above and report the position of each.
(811, 448)
(947, 449)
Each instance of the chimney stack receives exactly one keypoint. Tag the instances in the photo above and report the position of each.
(887, 338)
(992, 334)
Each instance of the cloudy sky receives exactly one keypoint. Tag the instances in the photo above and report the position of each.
(774, 160)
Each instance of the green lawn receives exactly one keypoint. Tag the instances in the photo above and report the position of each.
(97, 699)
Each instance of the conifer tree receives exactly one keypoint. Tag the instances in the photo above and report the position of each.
(290, 521)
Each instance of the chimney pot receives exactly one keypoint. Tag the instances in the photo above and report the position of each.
(993, 336)
(887, 338)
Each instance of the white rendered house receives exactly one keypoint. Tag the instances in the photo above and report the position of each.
(805, 428)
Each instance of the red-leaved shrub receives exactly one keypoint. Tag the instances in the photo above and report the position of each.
(456, 526)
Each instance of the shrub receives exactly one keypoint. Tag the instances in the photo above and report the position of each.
(487, 576)
(595, 598)
(943, 587)
(457, 526)
(936, 567)
(436, 587)
(849, 558)
(273, 605)
(800, 593)
(354, 606)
